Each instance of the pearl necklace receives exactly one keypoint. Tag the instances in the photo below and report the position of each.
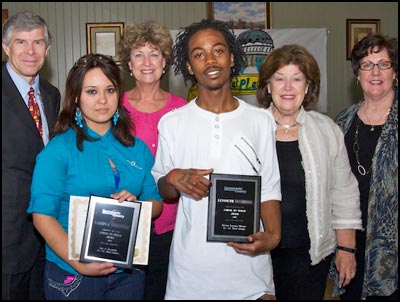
(286, 127)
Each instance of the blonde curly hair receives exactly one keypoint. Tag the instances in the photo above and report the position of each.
(138, 34)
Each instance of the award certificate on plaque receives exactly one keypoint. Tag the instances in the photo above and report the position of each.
(78, 206)
(110, 231)
(233, 207)
(142, 245)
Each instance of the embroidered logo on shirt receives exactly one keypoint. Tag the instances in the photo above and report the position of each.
(133, 164)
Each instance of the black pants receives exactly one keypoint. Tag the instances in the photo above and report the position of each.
(294, 276)
(25, 286)
(157, 271)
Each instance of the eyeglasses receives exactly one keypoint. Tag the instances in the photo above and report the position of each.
(382, 65)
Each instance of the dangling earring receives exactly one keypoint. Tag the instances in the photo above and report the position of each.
(163, 71)
(115, 117)
(131, 74)
(78, 117)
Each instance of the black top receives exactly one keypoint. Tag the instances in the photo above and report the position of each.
(294, 233)
(367, 141)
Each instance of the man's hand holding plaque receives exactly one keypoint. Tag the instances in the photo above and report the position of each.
(234, 207)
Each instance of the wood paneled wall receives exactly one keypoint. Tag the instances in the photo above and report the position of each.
(67, 22)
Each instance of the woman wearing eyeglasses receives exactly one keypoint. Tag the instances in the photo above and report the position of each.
(371, 135)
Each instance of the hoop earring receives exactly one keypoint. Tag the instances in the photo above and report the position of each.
(78, 117)
(116, 117)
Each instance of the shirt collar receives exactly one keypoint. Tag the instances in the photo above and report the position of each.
(89, 132)
(21, 84)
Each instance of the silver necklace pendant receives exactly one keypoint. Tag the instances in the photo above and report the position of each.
(369, 122)
(356, 148)
(361, 170)
(286, 127)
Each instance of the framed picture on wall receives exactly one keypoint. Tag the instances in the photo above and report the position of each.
(241, 15)
(356, 29)
(103, 38)
(4, 16)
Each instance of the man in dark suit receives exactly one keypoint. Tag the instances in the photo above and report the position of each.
(26, 42)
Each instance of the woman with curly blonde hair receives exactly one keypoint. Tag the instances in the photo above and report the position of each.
(146, 49)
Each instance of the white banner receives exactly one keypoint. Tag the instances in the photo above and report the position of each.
(257, 44)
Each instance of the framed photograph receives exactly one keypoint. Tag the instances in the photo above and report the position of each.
(103, 38)
(110, 231)
(4, 15)
(241, 15)
(356, 29)
(233, 207)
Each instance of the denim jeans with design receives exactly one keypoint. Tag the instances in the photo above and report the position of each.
(61, 285)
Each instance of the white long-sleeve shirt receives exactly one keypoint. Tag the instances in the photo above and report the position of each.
(332, 195)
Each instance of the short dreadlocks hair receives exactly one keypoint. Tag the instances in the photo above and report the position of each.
(181, 47)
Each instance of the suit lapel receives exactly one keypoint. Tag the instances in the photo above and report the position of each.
(49, 101)
(16, 104)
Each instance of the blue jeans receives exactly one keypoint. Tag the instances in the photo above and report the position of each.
(61, 285)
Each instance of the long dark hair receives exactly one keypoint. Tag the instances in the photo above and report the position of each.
(72, 99)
